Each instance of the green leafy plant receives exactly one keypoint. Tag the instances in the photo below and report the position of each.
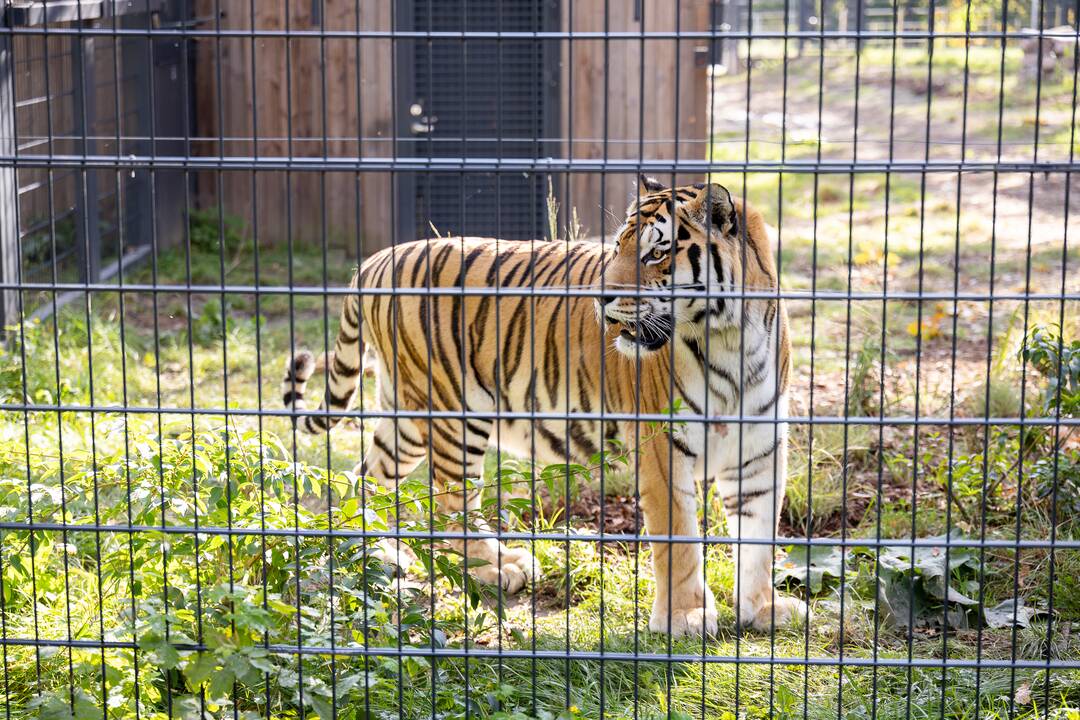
(929, 584)
(815, 568)
(286, 556)
(212, 322)
(213, 613)
(208, 231)
(1055, 465)
(1058, 362)
(864, 387)
(1043, 456)
(1009, 613)
(916, 586)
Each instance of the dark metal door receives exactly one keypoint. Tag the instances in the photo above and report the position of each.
(479, 99)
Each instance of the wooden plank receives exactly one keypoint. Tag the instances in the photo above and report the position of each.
(271, 104)
(647, 110)
(376, 124)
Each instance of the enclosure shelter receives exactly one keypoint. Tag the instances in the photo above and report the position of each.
(428, 94)
(884, 190)
(67, 97)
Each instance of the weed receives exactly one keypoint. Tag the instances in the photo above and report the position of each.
(816, 483)
(864, 387)
(210, 233)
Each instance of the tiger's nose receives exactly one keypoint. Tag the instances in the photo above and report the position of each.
(608, 299)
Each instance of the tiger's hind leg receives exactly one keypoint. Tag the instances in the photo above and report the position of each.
(457, 462)
(396, 450)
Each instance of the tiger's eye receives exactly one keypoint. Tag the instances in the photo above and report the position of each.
(657, 254)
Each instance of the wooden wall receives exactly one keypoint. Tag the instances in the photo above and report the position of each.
(288, 76)
(654, 90)
(272, 89)
(36, 116)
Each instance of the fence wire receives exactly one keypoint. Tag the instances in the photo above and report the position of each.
(704, 359)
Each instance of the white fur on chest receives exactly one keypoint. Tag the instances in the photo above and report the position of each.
(721, 390)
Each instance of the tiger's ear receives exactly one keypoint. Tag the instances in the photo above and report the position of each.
(650, 184)
(713, 202)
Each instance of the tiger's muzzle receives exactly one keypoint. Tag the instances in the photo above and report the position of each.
(642, 327)
(646, 333)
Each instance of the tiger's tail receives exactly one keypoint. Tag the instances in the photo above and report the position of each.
(347, 361)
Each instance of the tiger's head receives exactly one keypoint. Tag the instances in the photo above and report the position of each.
(683, 241)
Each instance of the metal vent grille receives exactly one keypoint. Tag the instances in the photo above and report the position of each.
(488, 100)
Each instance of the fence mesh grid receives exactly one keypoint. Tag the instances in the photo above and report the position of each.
(791, 435)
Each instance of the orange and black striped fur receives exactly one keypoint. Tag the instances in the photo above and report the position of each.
(566, 357)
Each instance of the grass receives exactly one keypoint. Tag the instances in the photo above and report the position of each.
(854, 358)
(562, 613)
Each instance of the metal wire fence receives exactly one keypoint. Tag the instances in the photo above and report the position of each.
(758, 400)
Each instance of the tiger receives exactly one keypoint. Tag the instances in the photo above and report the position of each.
(588, 332)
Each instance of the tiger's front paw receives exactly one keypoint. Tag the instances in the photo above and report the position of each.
(523, 559)
(510, 568)
(691, 613)
(693, 622)
(775, 612)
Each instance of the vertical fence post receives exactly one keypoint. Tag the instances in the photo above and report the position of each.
(9, 220)
(87, 229)
(172, 118)
(728, 18)
(137, 215)
(856, 20)
(806, 10)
